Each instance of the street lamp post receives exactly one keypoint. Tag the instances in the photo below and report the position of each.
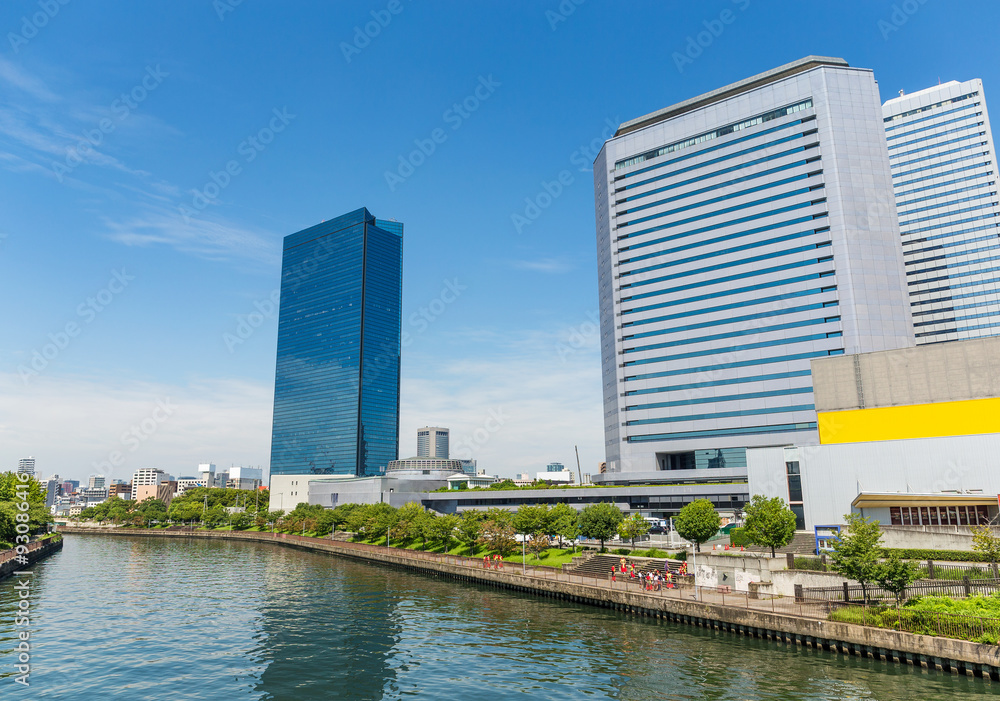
(524, 569)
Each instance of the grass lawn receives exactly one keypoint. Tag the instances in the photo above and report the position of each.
(553, 557)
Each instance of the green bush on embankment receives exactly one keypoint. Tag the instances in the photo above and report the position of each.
(976, 618)
(936, 555)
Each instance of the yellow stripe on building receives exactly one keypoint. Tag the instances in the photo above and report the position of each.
(965, 418)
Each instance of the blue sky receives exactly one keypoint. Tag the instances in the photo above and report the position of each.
(141, 272)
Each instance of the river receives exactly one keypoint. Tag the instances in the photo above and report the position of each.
(147, 618)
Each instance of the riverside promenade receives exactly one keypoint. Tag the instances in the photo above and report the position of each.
(37, 550)
(786, 620)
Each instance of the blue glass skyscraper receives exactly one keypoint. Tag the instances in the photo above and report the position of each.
(336, 386)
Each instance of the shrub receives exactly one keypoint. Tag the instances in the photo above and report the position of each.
(621, 551)
(937, 555)
(738, 537)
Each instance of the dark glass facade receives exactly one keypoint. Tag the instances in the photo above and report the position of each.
(336, 385)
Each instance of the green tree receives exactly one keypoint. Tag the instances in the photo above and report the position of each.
(600, 521)
(896, 575)
(697, 522)
(538, 544)
(633, 527)
(533, 519)
(152, 509)
(565, 522)
(504, 484)
(497, 536)
(985, 541)
(444, 530)
(769, 522)
(470, 528)
(856, 554)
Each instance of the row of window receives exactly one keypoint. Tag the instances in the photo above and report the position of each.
(781, 311)
(716, 212)
(718, 133)
(939, 195)
(704, 203)
(976, 146)
(949, 244)
(950, 234)
(728, 264)
(959, 329)
(950, 203)
(944, 255)
(723, 432)
(952, 223)
(967, 317)
(939, 515)
(918, 110)
(720, 382)
(933, 166)
(733, 334)
(721, 252)
(735, 364)
(937, 125)
(954, 275)
(950, 297)
(736, 155)
(714, 174)
(934, 186)
(739, 276)
(736, 349)
(937, 144)
(726, 224)
(735, 291)
(764, 394)
(734, 305)
(722, 415)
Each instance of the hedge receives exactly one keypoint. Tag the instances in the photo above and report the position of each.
(936, 555)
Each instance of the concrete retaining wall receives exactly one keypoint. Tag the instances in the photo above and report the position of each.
(959, 656)
(8, 565)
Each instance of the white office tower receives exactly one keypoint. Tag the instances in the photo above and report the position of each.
(944, 171)
(26, 466)
(146, 476)
(432, 442)
(737, 239)
(96, 482)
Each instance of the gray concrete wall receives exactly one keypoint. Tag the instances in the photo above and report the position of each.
(947, 372)
(10, 566)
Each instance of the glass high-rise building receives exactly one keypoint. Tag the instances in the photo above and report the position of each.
(336, 387)
(945, 175)
(738, 237)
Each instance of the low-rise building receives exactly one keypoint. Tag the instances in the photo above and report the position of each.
(457, 481)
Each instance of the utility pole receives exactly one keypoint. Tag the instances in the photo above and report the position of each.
(579, 472)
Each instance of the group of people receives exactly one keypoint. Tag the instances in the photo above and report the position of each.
(651, 580)
(494, 562)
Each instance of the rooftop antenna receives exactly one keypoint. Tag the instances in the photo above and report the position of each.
(903, 92)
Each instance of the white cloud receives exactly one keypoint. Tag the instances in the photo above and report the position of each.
(71, 424)
(549, 266)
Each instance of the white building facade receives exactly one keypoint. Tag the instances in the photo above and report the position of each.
(146, 476)
(26, 466)
(738, 238)
(944, 171)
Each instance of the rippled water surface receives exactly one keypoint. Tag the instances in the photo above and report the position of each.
(145, 618)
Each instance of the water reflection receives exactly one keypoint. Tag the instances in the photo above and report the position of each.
(142, 618)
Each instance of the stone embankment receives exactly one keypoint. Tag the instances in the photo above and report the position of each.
(38, 550)
(785, 622)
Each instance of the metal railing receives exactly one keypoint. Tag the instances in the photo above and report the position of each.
(855, 592)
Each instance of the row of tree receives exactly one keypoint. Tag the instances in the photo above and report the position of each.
(767, 522)
(207, 506)
(10, 504)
